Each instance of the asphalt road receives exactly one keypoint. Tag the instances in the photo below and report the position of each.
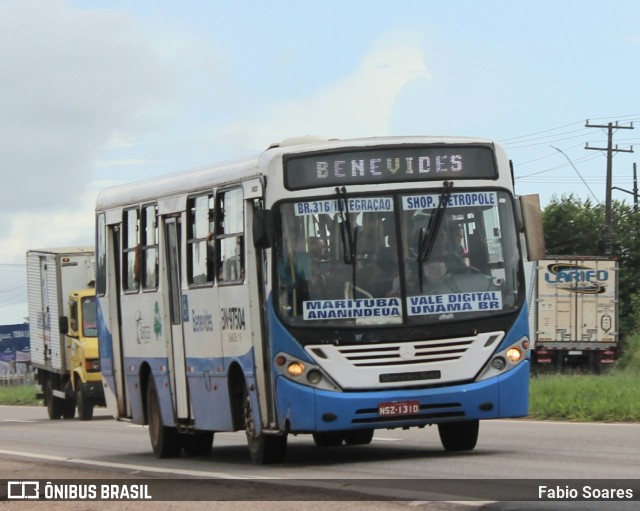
(512, 459)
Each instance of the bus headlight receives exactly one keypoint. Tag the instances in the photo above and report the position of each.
(303, 373)
(295, 369)
(514, 354)
(506, 359)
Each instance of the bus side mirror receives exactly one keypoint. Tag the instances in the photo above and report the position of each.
(532, 226)
(63, 322)
(262, 228)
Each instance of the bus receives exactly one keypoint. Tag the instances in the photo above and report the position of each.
(325, 287)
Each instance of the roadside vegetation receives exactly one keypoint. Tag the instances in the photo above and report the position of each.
(610, 397)
(613, 397)
(23, 394)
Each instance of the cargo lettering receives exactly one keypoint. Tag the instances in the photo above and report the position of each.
(576, 275)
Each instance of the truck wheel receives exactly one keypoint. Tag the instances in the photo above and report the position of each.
(165, 440)
(68, 408)
(54, 404)
(198, 444)
(84, 404)
(459, 436)
(264, 449)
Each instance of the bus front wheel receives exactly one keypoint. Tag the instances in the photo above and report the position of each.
(459, 436)
(264, 449)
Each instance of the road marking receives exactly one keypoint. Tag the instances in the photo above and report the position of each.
(17, 420)
(128, 466)
(318, 483)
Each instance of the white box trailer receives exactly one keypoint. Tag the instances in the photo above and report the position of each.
(54, 276)
(575, 311)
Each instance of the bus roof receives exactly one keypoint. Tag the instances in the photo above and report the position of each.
(237, 170)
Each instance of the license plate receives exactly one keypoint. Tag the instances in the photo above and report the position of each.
(399, 408)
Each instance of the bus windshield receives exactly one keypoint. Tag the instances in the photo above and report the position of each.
(396, 258)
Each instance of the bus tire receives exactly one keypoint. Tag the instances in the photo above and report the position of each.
(54, 404)
(165, 440)
(358, 437)
(263, 449)
(459, 436)
(84, 404)
(197, 444)
(329, 439)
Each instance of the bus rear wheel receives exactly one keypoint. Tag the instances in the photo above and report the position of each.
(264, 449)
(459, 436)
(165, 440)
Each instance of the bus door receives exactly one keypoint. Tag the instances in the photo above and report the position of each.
(176, 349)
(116, 328)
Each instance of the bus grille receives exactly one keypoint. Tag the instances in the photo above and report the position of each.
(405, 353)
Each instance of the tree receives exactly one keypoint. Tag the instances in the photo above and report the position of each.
(572, 227)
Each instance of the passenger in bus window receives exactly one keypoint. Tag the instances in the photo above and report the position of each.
(211, 256)
(294, 270)
(458, 243)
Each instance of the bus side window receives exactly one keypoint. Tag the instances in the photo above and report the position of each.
(101, 256)
(131, 251)
(200, 243)
(149, 255)
(230, 235)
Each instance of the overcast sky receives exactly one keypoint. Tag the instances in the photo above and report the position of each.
(97, 92)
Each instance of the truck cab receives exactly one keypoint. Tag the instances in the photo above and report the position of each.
(81, 330)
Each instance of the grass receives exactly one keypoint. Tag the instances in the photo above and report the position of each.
(19, 395)
(613, 397)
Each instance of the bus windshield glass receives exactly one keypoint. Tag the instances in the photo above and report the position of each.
(385, 259)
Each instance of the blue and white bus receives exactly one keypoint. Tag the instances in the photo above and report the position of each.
(328, 287)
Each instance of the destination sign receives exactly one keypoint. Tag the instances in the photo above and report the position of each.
(389, 165)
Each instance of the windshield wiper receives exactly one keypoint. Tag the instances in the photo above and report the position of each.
(349, 236)
(427, 236)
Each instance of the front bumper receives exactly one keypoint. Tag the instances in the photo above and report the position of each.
(306, 409)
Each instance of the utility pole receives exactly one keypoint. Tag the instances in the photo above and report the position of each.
(610, 150)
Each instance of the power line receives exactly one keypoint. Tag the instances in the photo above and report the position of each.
(577, 172)
(610, 151)
(628, 117)
(506, 140)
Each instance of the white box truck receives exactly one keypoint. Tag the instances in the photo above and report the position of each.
(573, 303)
(63, 330)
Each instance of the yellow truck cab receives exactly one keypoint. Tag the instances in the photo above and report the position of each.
(81, 330)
